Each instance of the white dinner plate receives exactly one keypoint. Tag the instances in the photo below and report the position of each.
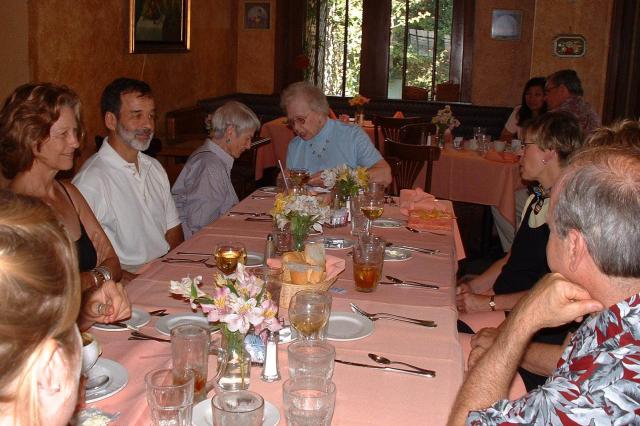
(118, 378)
(203, 415)
(166, 323)
(337, 243)
(345, 326)
(395, 254)
(319, 189)
(269, 189)
(139, 318)
(387, 222)
(254, 259)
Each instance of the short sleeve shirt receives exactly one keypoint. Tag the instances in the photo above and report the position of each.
(133, 205)
(337, 143)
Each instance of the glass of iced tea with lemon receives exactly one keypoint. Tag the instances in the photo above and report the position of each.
(228, 255)
(368, 258)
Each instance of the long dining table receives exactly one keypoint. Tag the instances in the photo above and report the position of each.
(462, 175)
(364, 396)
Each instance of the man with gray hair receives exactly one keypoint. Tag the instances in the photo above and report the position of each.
(127, 190)
(563, 92)
(323, 143)
(594, 252)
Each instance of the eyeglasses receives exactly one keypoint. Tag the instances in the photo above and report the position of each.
(299, 120)
(526, 144)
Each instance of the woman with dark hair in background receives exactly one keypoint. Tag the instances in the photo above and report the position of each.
(531, 106)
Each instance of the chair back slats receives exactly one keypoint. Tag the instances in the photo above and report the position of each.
(416, 134)
(406, 161)
(390, 127)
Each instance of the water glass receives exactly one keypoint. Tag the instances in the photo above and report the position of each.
(516, 145)
(477, 132)
(238, 408)
(309, 313)
(311, 358)
(358, 219)
(170, 397)
(309, 400)
(368, 258)
(457, 143)
(190, 349)
(282, 239)
(272, 278)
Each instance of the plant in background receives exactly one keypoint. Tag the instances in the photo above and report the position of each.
(359, 101)
(301, 213)
(444, 120)
(347, 181)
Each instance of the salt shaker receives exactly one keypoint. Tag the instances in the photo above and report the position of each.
(269, 248)
(270, 371)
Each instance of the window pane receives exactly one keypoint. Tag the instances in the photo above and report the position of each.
(396, 49)
(421, 38)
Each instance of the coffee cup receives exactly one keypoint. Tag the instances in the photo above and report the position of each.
(516, 145)
(91, 351)
(499, 145)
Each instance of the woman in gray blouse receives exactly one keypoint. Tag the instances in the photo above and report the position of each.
(203, 191)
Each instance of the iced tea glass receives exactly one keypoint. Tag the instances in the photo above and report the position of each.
(368, 258)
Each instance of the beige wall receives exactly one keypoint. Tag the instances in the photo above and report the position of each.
(85, 45)
(14, 41)
(256, 52)
(591, 19)
(500, 67)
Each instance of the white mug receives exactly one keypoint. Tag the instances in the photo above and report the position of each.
(516, 145)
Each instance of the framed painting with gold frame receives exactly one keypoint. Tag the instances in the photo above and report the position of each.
(159, 26)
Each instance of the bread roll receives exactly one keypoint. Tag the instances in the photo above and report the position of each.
(297, 271)
(314, 254)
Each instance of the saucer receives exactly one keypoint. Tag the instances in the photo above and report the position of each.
(269, 189)
(166, 323)
(118, 378)
(203, 415)
(254, 259)
(337, 243)
(346, 326)
(387, 222)
(139, 318)
(395, 254)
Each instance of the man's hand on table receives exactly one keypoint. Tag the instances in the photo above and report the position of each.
(107, 304)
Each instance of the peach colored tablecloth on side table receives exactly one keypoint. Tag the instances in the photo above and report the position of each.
(365, 396)
(457, 175)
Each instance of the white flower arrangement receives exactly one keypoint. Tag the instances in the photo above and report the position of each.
(300, 211)
(348, 181)
(444, 120)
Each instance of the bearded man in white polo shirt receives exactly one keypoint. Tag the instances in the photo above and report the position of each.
(127, 190)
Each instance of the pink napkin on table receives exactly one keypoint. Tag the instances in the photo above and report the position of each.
(411, 199)
(334, 265)
(398, 114)
(332, 115)
(502, 157)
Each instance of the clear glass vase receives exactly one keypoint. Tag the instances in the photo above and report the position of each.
(237, 374)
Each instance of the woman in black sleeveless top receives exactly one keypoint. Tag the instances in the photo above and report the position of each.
(550, 140)
(40, 130)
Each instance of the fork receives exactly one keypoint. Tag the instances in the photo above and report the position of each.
(392, 317)
(136, 335)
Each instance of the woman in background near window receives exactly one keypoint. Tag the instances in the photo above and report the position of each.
(532, 105)
(40, 131)
(40, 346)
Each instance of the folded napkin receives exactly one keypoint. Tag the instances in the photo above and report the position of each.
(398, 114)
(411, 199)
(332, 115)
(334, 265)
(502, 157)
(430, 220)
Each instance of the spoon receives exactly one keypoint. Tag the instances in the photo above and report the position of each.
(96, 382)
(386, 361)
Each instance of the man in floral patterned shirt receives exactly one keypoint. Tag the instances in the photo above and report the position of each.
(594, 251)
(563, 92)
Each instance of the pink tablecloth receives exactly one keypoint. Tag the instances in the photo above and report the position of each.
(458, 175)
(364, 396)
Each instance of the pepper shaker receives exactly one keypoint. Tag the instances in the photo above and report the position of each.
(270, 370)
(269, 248)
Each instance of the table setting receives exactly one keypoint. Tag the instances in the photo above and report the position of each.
(366, 319)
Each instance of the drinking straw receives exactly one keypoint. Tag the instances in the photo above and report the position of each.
(284, 176)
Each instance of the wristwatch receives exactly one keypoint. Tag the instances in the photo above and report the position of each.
(492, 303)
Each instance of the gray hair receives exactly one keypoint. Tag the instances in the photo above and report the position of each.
(570, 80)
(234, 114)
(313, 95)
(600, 198)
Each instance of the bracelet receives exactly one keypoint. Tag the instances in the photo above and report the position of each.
(105, 271)
(101, 274)
(492, 303)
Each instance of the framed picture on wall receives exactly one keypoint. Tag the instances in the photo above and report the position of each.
(569, 46)
(257, 15)
(506, 24)
(159, 26)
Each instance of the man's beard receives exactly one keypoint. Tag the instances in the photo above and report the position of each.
(129, 137)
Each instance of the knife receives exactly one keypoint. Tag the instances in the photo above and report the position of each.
(416, 285)
(258, 219)
(420, 249)
(125, 325)
(426, 373)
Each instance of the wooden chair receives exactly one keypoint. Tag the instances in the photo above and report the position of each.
(406, 161)
(391, 127)
(416, 134)
(414, 93)
(448, 92)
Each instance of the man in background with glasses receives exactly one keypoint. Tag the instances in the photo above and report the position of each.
(563, 92)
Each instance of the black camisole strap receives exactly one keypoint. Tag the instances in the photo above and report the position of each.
(87, 255)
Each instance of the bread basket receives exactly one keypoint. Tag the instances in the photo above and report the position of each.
(288, 290)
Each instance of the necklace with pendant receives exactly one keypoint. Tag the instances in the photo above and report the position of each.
(319, 153)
